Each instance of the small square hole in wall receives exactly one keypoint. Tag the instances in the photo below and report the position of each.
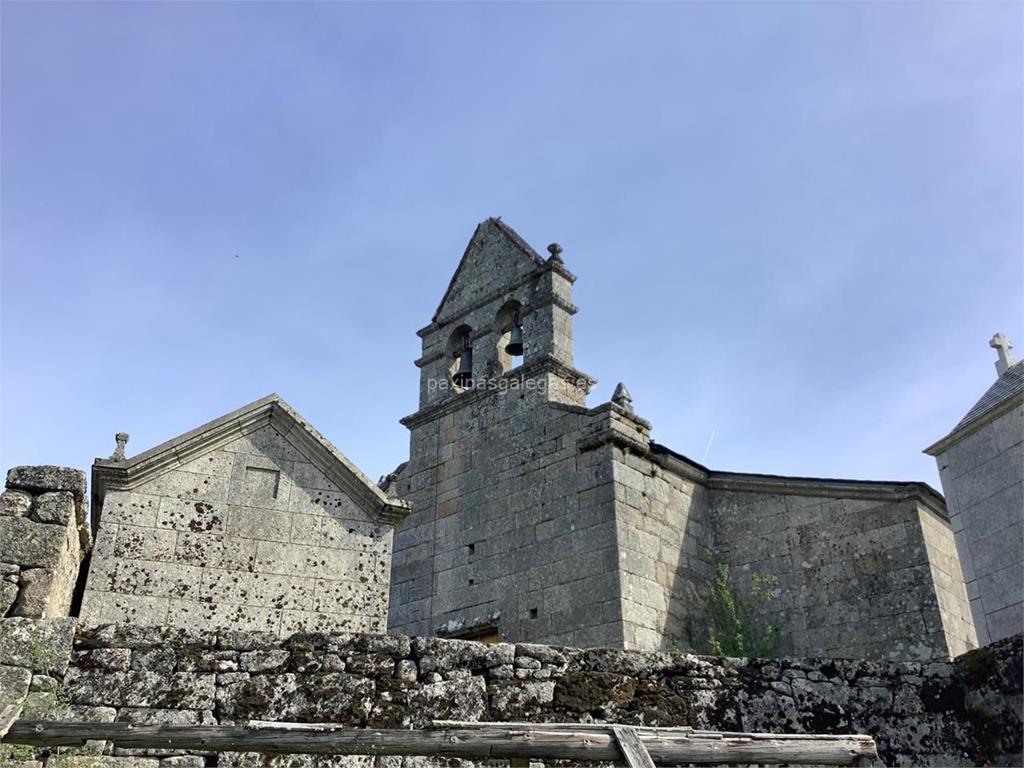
(533, 613)
(472, 582)
(471, 548)
(261, 483)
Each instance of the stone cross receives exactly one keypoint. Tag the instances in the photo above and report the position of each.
(121, 438)
(1002, 346)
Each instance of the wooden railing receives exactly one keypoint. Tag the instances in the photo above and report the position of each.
(637, 747)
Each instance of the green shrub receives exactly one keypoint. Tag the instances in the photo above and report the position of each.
(730, 625)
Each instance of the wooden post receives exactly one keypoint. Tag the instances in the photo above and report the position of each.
(632, 748)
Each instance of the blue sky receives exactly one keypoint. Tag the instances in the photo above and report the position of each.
(795, 225)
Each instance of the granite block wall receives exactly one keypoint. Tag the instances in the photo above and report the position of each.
(44, 534)
(983, 479)
(511, 526)
(664, 549)
(856, 577)
(959, 713)
(248, 536)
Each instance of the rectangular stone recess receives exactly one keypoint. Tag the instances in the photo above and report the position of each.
(261, 483)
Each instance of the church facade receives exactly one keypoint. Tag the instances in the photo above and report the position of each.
(536, 517)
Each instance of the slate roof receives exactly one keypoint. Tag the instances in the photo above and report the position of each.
(1009, 384)
(1007, 387)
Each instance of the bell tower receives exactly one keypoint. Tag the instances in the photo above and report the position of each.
(502, 289)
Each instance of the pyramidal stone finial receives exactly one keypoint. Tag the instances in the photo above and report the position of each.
(556, 253)
(621, 397)
(121, 438)
(1002, 346)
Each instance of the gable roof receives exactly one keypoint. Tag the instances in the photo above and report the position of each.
(1007, 389)
(494, 224)
(271, 411)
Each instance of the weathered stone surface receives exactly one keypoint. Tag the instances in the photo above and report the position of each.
(55, 507)
(449, 700)
(39, 479)
(113, 659)
(31, 544)
(235, 539)
(329, 697)
(15, 503)
(140, 689)
(261, 661)
(8, 594)
(101, 761)
(36, 593)
(14, 683)
(40, 645)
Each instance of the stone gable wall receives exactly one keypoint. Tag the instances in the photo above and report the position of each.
(965, 712)
(44, 534)
(248, 536)
(856, 578)
(983, 479)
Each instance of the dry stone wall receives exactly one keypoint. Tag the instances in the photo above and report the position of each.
(965, 712)
(44, 534)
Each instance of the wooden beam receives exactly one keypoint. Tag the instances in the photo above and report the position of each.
(632, 747)
(483, 741)
(7, 717)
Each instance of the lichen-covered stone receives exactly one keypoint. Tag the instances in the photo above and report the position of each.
(140, 689)
(40, 645)
(328, 697)
(32, 544)
(39, 479)
(261, 661)
(14, 683)
(113, 659)
(55, 507)
(15, 503)
(448, 700)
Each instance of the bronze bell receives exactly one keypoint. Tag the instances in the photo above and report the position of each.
(464, 376)
(515, 342)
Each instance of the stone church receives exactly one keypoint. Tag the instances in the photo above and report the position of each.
(523, 513)
(536, 517)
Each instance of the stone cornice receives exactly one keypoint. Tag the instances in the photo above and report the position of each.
(968, 429)
(546, 364)
(493, 296)
(872, 490)
(268, 411)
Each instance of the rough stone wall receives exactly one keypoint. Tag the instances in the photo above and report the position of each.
(44, 534)
(664, 542)
(966, 712)
(248, 536)
(983, 479)
(856, 577)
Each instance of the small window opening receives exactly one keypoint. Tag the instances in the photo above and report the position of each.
(533, 613)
